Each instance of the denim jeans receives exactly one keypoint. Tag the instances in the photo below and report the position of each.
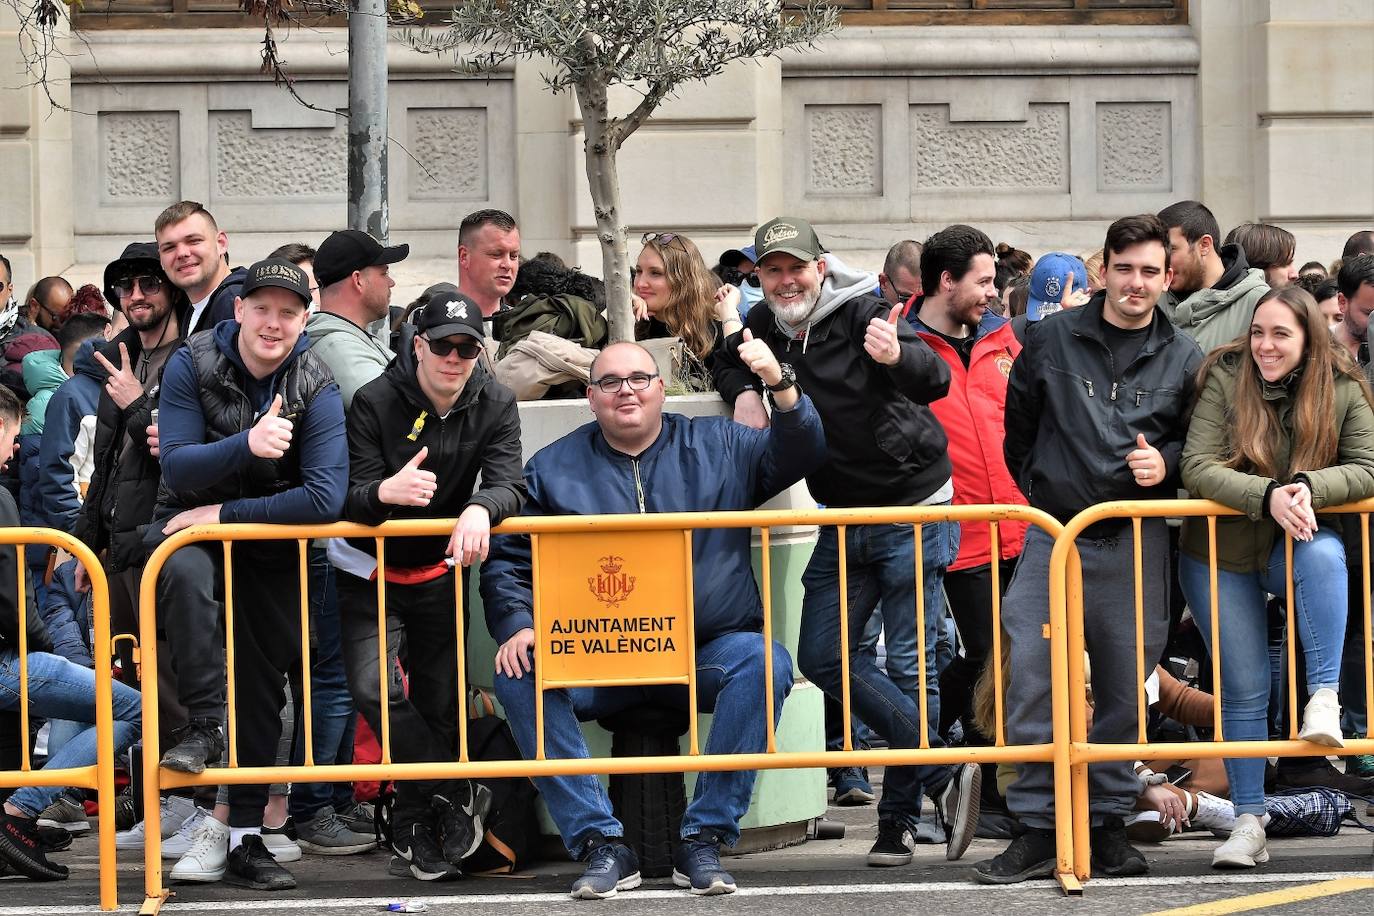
(331, 705)
(861, 734)
(1319, 593)
(729, 683)
(881, 568)
(65, 690)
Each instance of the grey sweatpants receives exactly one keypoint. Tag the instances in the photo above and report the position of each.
(1109, 634)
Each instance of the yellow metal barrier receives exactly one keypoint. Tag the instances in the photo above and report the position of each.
(1066, 592)
(101, 776)
(546, 530)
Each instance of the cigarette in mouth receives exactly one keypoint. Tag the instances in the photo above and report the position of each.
(1123, 299)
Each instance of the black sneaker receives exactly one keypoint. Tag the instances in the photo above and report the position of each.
(696, 865)
(1113, 854)
(1317, 772)
(251, 865)
(54, 839)
(611, 866)
(891, 847)
(358, 817)
(1030, 855)
(460, 823)
(198, 744)
(418, 856)
(957, 806)
(22, 850)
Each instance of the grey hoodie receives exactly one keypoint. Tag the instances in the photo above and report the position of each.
(1219, 314)
(354, 355)
(842, 283)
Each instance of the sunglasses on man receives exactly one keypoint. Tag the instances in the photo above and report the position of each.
(441, 348)
(150, 285)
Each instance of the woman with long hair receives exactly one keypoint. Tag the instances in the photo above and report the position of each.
(1283, 427)
(677, 295)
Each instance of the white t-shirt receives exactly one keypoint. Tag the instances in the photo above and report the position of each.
(197, 309)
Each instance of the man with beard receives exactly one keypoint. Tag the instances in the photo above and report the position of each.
(1214, 290)
(195, 257)
(871, 379)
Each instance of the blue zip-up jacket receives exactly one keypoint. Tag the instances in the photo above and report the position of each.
(77, 397)
(190, 463)
(706, 464)
(67, 615)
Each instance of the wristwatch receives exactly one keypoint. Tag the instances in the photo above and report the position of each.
(789, 378)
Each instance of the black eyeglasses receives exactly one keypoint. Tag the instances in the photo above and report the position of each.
(467, 349)
(611, 384)
(150, 285)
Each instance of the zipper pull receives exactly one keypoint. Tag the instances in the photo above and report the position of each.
(1139, 393)
(1089, 383)
(1114, 388)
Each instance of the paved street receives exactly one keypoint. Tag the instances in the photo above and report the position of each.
(1303, 877)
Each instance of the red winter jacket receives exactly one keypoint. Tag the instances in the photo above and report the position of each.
(972, 415)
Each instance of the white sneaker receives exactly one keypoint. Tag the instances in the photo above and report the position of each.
(175, 811)
(1321, 719)
(204, 861)
(1215, 814)
(278, 842)
(179, 843)
(1246, 846)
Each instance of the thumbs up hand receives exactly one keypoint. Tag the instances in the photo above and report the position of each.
(880, 340)
(410, 486)
(1146, 463)
(758, 356)
(270, 437)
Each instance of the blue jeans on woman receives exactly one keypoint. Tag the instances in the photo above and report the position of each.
(1319, 593)
(881, 568)
(65, 690)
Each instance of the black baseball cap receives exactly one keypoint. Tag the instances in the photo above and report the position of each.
(138, 258)
(350, 249)
(448, 314)
(789, 235)
(280, 273)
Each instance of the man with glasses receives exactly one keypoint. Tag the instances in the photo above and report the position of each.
(900, 281)
(417, 437)
(635, 458)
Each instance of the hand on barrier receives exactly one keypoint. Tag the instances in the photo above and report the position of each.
(471, 536)
(410, 486)
(758, 356)
(880, 340)
(122, 386)
(749, 410)
(1291, 507)
(513, 659)
(1146, 463)
(200, 515)
(270, 437)
(153, 441)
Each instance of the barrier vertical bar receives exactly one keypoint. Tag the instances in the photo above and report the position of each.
(1078, 719)
(306, 710)
(538, 641)
(923, 700)
(231, 729)
(383, 654)
(1292, 637)
(995, 551)
(843, 556)
(153, 891)
(1216, 626)
(459, 603)
(1138, 559)
(104, 735)
(1060, 698)
(1368, 631)
(769, 727)
(691, 645)
(24, 762)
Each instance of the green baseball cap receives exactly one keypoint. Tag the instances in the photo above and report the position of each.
(790, 236)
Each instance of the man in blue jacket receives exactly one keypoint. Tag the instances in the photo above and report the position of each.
(251, 430)
(634, 458)
(59, 494)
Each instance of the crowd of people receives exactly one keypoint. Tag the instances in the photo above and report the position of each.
(188, 392)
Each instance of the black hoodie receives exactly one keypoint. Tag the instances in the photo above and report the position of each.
(391, 419)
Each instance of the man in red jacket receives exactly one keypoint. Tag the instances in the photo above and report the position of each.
(957, 267)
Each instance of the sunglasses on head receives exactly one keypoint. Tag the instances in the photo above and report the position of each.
(663, 239)
(467, 349)
(150, 285)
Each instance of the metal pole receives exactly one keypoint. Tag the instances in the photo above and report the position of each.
(367, 118)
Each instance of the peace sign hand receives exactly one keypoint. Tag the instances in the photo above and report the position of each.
(123, 386)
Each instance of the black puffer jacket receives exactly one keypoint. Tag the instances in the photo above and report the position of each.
(1071, 419)
(392, 419)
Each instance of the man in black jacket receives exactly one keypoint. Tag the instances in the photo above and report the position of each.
(1097, 409)
(417, 437)
(871, 379)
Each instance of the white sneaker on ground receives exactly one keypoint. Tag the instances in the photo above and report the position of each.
(281, 842)
(1246, 846)
(1215, 814)
(204, 862)
(175, 810)
(1321, 719)
(179, 843)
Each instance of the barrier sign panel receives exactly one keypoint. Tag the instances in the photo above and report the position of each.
(612, 606)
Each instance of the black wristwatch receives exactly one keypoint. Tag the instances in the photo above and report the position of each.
(789, 378)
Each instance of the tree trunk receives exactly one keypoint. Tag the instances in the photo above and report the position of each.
(601, 147)
(367, 134)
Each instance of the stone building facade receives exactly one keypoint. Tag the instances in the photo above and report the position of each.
(1039, 123)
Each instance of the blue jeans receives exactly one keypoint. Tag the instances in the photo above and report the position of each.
(61, 689)
(333, 716)
(729, 682)
(881, 569)
(1319, 593)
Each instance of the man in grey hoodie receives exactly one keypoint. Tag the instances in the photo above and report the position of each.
(1214, 291)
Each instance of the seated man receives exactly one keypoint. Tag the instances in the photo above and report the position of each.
(58, 689)
(401, 466)
(634, 458)
(251, 430)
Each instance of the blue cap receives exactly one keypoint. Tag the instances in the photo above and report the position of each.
(1048, 280)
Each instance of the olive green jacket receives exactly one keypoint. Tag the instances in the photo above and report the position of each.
(1245, 542)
